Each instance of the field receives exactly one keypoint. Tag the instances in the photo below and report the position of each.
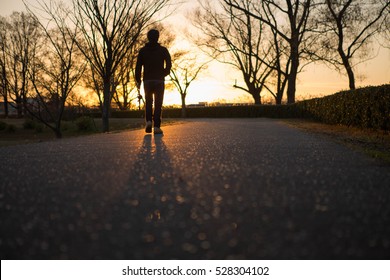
(17, 133)
(374, 143)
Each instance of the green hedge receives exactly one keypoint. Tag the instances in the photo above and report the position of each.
(268, 111)
(367, 107)
(3, 125)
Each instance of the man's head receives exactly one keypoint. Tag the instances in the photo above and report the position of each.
(153, 35)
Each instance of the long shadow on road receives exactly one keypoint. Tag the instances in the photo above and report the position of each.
(152, 208)
(158, 210)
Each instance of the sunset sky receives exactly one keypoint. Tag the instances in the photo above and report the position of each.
(216, 83)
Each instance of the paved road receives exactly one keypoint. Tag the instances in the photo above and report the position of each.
(207, 189)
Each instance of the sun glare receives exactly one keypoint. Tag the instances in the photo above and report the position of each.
(205, 90)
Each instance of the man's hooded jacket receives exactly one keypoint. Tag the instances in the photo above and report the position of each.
(156, 61)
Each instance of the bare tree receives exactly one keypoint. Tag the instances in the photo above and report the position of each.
(295, 14)
(385, 29)
(3, 69)
(349, 27)
(91, 81)
(235, 38)
(125, 88)
(185, 69)
(22, 43)
(58, 68)
(109, 30)
(277, 82)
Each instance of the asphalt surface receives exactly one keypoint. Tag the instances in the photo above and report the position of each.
(207, 189)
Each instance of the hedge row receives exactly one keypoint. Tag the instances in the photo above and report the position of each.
(268, 111)
(367, 107)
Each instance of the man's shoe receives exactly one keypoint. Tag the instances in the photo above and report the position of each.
(148, 127)
(157, 130)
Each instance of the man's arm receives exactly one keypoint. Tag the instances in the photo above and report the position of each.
(138, 70)
(168, 63)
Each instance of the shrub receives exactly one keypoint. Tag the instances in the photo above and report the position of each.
(127, 114)
(85, 124)
(29, 124)
(3, 125)
(11, 128)
(65, 126)
(38, 127)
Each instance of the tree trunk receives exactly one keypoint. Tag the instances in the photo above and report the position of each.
(278, 99)
(58, 133)
(292, 78)
(106, 106)
(257, 97)
(351, 78)
(5, 91)
(183, 106)
(348, 68)
(6, 104)
(19, 107)
(294, 56)
(279, 93)
(58, 122)
(291, 89)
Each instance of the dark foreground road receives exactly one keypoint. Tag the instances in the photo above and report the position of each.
(207, 189)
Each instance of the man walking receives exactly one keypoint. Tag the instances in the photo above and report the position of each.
(156, 62)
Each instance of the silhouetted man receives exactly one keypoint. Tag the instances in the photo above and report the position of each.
(156, 61)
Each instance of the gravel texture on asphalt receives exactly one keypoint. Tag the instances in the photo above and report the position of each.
(207, 189)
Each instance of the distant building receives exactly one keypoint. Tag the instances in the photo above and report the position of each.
(200, 104)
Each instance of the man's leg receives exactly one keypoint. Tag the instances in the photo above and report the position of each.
(148, 87)
(158, 101)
